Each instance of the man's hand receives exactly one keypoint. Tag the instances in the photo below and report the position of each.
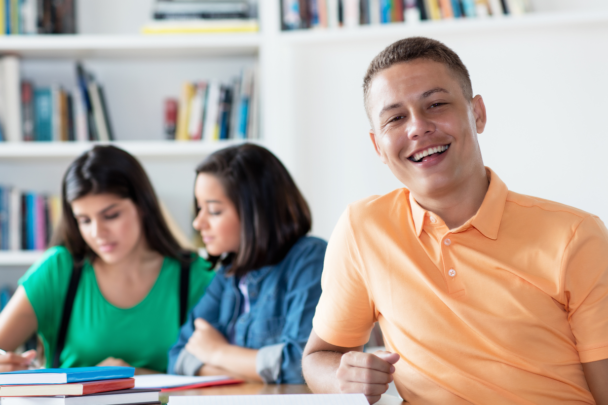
(366, 373)
(111, 361)
(12, 362)
(206, 343)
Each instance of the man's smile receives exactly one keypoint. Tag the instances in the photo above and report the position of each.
(420, 155)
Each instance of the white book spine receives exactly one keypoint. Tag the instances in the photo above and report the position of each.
(10, 80)
(332, 14)
(29, 13)
(196, 113)
(351, 13)
(374, 12)
(14, 225)
(100, 122)
(253, 123)
(496, 8)
(516, 7)
(80, 117)
(212, 104)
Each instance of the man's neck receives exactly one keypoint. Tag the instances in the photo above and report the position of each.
(460, 204)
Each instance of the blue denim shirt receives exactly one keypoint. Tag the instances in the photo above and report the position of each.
(283, 298)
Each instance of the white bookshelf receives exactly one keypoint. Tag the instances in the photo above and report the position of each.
(19, 258)
(130, 46)
(486, 25)
(140, 149)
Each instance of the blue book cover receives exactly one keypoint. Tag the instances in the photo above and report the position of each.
(244, 113)
(65, 375)
(469, 8)
(43, 113)
(456, 8)
(30, 209)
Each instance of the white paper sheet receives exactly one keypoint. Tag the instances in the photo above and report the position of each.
(301, 399)
(171, 381)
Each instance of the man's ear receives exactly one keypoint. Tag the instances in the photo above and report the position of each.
(479, 112)
(372, 136)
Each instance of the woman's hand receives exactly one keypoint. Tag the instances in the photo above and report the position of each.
(12, 362)
(206, 343)
(111, 361)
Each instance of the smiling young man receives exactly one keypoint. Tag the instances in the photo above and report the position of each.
(484, 296)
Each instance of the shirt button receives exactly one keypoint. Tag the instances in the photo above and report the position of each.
(452, 273)
(447, 242)
(433, 220)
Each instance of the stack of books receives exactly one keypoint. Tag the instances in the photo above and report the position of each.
(202, 16)
(74, 386)
(27, 219)
(51, 113)
(213, 111)
(37, 17)
(298, 14)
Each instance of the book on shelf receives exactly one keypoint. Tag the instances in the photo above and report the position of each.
(27, 219)
(28, 17)
(201, 16)
(298, 14)
(214, 111)
(72, 389)
(52, 113)
(65, 375)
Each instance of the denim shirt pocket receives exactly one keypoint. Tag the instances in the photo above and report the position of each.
(266, 332)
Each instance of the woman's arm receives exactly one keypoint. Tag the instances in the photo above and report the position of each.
(212, 349)
(17, 323)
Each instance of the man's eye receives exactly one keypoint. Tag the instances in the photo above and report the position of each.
(397, 118)
(435, 105)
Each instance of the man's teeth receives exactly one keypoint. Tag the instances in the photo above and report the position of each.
(437, 149)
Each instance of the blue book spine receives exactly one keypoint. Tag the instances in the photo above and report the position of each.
(30, 209)
(78, 374)
(244, 113)
(469, 8)
(43, 121)
(7, 17)
(385, 11)
(456, 8)
(1, 133)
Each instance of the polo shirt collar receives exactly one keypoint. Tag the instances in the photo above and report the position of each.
(488, 218)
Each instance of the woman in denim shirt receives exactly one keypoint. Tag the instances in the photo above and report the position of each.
(256, 315)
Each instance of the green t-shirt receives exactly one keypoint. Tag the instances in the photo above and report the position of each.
(141, 335)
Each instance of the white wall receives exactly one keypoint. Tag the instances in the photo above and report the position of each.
(544, 89)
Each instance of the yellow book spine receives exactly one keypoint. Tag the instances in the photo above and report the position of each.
(433, 9)
(2, 17)
(183, 113)
(14, 16)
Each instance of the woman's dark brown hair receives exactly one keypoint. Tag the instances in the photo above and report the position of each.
(108, 169)
(271, 209)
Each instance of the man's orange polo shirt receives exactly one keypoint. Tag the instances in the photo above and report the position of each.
(501, 310)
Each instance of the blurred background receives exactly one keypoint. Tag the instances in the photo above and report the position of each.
(288, 75)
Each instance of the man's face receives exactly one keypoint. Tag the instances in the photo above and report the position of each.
(424, 128)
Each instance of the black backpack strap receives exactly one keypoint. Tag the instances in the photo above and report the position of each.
(67, 311)
(184, 291)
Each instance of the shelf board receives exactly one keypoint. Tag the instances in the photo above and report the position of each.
(19, 257)
(132, 46)
(371, 32)
(141, 149)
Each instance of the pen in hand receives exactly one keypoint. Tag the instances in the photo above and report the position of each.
(33, 364)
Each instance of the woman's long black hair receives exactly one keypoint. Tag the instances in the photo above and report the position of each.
(108, 169)
(272, 211)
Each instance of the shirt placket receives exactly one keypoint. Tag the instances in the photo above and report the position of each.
(450, 270)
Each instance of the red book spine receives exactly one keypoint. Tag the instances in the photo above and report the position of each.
(170, 117)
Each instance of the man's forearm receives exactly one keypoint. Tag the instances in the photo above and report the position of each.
(319, 371)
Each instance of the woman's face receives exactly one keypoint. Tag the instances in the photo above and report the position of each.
(109, 224)
(217, 220)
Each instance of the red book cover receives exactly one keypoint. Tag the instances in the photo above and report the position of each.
(84, 388)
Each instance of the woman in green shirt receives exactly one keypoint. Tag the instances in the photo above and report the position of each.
(134, 283)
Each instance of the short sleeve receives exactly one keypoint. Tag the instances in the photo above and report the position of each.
(585, 266)
(45, 284)
(345, 314)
